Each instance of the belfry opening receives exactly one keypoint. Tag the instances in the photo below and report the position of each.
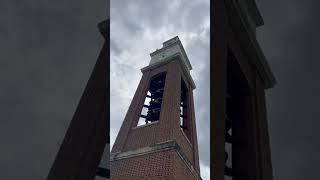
(237, 117)
(154, 99)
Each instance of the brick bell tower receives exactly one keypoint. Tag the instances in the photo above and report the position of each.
(158, 139)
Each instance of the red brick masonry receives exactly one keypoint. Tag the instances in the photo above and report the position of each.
(161, 161)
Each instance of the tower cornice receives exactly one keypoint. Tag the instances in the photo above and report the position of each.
(247, 39)
(172, 49)
(169, 48)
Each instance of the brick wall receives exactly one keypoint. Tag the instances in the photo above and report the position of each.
(156, 166)
(152, 166)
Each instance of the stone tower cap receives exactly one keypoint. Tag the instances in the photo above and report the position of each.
(170, 49)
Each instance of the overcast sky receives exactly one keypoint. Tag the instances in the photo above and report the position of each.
(139, 28)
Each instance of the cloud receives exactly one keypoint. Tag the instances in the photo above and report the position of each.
(205, 171)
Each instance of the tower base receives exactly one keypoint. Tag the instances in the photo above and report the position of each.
(160, 161)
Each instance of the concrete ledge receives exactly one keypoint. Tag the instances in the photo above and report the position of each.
(143, 151)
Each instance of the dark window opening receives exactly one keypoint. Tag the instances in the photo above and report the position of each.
(152, 105)
(184, 119)
(236, 116)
